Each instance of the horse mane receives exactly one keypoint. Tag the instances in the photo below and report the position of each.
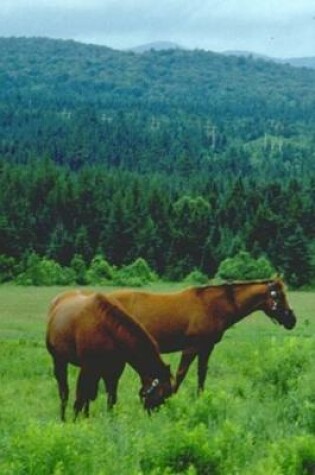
(230, 283)
(229, 286)
(119, 322)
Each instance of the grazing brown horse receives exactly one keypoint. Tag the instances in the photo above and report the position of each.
(195, 319)
(93, 332)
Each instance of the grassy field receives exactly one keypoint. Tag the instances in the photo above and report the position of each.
(256, 416)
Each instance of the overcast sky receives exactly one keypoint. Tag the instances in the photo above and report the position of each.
(278, 28)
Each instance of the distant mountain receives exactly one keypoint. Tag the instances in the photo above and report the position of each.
(56, 75)
(156, 46)
(247, 54)
(307, 62)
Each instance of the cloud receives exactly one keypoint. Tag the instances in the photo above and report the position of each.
(285, 27)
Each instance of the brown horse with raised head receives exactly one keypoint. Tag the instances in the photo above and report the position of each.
(195, 319)
(93, 332)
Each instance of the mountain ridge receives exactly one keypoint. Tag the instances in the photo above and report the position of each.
(298, 62)
(157, 108)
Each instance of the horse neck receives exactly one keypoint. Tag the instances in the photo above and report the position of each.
(248, 298)
(145, 359)
(139, 349)
(149, 365)
(143, 354)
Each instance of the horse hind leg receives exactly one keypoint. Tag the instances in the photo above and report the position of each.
(87, 385)
(61, 375)
(82, 396)
(93, 390)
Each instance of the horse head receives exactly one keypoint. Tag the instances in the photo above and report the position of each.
(156, 389)
(276, 305)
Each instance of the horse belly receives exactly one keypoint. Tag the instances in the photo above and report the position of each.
(169, 338)
(172, 343)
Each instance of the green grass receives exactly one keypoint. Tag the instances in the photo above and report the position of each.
(256, 416)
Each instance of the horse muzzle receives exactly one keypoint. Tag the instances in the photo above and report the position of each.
(289, 319)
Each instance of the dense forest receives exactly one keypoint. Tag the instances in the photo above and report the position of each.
(180, 157)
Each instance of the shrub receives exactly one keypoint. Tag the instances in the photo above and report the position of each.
(281, 366)
(196, 277)
(244, 267)
(100, 271)
(49, 449)
(43, 271)
(182, 452)
(135, 274)
(291, 456)
(78, 266)
(8, 268)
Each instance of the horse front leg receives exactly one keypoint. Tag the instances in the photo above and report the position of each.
(111, 389)
(187, 358)
(203, 358)
(111, 384)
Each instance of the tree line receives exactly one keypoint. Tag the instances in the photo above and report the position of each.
(175, 225)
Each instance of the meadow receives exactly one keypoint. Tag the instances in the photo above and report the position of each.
(255, 417)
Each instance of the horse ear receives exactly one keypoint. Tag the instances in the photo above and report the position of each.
(278, 277)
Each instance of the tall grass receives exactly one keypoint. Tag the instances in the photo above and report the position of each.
(256, 416)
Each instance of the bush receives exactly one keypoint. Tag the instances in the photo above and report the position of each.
(48, 449)
(8, 268)
(78, 266)
(196, 277)
(182, 452)
(281, 366)
(43, 271)
(136, 274)
(244, 267)
(100, 271)
(291, 456)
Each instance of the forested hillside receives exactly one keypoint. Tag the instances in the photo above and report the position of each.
(180, 157)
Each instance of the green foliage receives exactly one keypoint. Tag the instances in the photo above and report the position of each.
(290, 456)
(47, 449)
(190, 452)
(79, 268)
(296, 258)
(196, 277)
(8, 268)
(99, 271)
(43, 271)
(281, 367)
(245, 267)
(164, 161)
(255, 416)
(136, 274)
